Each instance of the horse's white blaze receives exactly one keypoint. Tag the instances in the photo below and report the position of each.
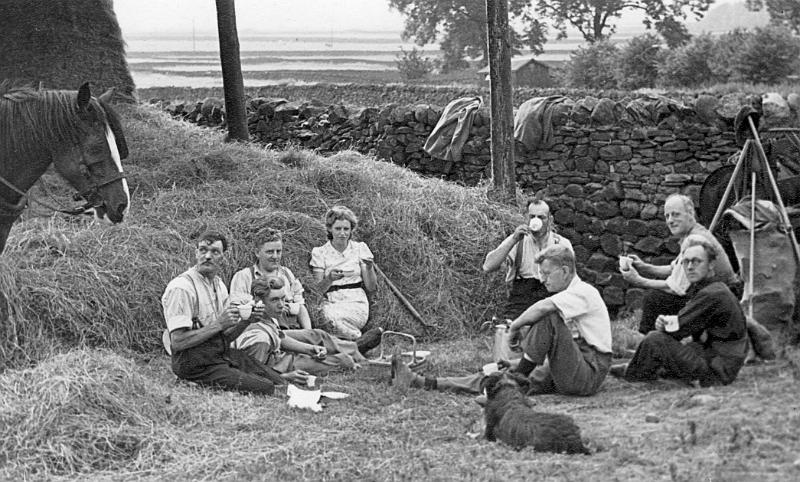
(112, 146)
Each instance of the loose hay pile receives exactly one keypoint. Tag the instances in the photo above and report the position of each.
(82, 412)
(65, 282)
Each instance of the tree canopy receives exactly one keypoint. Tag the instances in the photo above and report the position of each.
(460, 26)
(781, 12)
(595, 19)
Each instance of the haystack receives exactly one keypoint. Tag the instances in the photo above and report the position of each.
(62, 44)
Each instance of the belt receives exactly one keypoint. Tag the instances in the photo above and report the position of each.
(343, 287)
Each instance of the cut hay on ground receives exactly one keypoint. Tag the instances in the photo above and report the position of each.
(68, 282)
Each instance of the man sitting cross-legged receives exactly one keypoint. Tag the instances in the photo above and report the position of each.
(712, 317)
(568, 347)
(313, 351)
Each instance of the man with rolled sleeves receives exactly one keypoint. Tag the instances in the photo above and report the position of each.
(519, 251)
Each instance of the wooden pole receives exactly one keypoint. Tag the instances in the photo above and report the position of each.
(502, 145)
(232, 83)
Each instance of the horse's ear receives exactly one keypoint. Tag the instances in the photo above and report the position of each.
(84, 95)
(108, 95)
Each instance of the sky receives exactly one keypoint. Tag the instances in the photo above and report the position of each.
(272, 16)
(146, 16)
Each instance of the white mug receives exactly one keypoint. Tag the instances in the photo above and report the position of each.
(535, 224)
(245, 310)
(672, 324)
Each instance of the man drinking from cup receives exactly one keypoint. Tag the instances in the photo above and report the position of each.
(519, 251)
(712, 317)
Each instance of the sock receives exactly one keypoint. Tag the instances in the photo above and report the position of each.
(525, 366)
(430, 383)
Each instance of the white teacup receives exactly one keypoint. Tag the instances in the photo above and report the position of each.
(535, 224)
(311, 381)
(625, 263)
(245, 310)
(672, 324)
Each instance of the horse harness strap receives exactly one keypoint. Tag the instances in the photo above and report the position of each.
(17, 208)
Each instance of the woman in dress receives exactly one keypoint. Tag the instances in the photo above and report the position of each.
(344, 270)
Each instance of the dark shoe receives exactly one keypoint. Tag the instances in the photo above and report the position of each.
(618, 370)
(369, 340)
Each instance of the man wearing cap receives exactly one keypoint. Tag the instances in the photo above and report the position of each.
(519, 251)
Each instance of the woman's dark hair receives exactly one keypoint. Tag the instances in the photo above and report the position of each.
(339, 213)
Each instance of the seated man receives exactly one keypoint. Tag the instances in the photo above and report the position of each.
(568, 347)
(311, 351)
(295, 315)
(668, 284)
(712, 317)
(519, 252)
(201, 324)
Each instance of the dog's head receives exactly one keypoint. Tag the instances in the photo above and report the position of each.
(492, 384)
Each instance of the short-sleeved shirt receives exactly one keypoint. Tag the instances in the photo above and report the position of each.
(192, 295)
(528, 267)
(585, 313)
(723, 271)
(242, 282)
(327, 258)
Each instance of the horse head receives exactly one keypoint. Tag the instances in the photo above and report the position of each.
(93, 163)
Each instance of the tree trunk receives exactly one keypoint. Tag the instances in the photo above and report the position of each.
(502, 145)
(232, 83)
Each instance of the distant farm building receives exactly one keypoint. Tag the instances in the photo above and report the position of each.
(525, 72)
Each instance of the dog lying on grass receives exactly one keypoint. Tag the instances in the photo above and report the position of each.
(510, 417)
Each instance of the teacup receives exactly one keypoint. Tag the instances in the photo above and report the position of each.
(245, 310)
(672, 324)
(311, 381)
(625, 263)
(535, 224)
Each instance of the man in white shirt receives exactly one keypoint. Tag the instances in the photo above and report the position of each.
(201, 324)
(519, 251)
(667, 285)
(568, 347)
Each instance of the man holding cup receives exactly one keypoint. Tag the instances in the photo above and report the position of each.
(667, 285)
(712, 317)
(201, 323)
(519, 251)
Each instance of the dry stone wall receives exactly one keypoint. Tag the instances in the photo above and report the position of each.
(607, 171)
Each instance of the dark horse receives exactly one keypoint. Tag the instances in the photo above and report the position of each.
(79, 134)
(714, 188)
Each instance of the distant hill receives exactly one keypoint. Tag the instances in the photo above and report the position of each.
(728, 16)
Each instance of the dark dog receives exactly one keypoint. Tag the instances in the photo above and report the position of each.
(510, 417)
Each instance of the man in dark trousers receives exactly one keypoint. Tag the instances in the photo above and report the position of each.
(667, 285)
(201, 325)
(519, 251)
(713, 318)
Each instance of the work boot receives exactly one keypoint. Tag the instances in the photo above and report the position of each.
(402, 376)
(618, 370)
(369, 340)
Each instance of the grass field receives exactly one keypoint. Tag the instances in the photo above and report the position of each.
(95, 414)
(85, 392)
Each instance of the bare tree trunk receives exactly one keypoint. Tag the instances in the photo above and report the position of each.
(232, 83)
(503, 165)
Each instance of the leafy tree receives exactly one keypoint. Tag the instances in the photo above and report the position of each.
(769, 55)
(595, 18)
(460, 25)
(412, 65)
(638, 62)
(727, 48)
(781, 12)
(592, 67)
(688, 66)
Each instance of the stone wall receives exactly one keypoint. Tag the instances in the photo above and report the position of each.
(607, 170)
